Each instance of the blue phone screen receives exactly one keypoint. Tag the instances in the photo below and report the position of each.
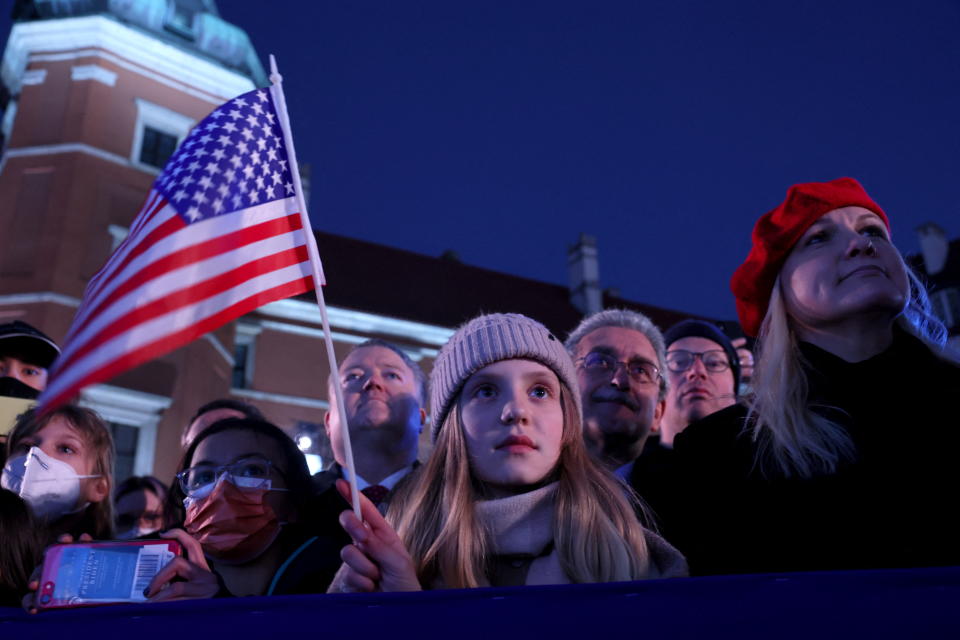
(89, 573)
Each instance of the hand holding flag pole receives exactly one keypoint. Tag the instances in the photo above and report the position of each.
(276, 88)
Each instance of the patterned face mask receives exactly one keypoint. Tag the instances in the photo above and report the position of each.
(233, 525)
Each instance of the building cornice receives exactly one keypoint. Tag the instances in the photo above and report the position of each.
(75, 147)
(100, 36)
(126, 406)
(280, 398)
(357, 321)
(39, 297)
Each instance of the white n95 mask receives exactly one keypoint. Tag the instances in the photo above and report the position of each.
(51, 487)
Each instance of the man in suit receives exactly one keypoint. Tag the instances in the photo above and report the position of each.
(384, 392)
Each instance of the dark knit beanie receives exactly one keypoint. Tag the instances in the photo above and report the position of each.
(488, 339)
(775, 234)
(700, 329)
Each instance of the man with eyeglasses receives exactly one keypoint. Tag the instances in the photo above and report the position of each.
(704, 373)
(620, 360)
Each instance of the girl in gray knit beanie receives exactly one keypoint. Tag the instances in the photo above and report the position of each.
(509, 495)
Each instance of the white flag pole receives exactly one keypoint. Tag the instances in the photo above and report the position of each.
(276, 89)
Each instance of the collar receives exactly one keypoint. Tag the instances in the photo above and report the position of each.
(904, 354)
(521, 524)
(389, 482)
(625, 471)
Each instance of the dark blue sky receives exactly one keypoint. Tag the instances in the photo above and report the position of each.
(501, 130)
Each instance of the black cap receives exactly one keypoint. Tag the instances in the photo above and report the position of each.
(700, 329)
(19, 339)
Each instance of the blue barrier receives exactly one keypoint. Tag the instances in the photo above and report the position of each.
(902, 604)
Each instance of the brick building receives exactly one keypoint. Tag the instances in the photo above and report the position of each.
(96, 95)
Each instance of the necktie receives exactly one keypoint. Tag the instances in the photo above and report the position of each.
(376, 493)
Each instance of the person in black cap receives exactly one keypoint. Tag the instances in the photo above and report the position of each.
(704, 372)
(26, 354)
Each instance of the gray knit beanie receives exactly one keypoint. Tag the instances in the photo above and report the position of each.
(488, 339)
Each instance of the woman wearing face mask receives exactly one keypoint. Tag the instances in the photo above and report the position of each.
(244, 495)
(844, 457)
(139, 506)
(61, 465)
(509, 495)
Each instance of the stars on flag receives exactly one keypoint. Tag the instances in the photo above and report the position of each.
(239, 137)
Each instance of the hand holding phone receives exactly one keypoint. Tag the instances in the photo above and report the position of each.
(92, 573)
(29, 600)
(184, 578)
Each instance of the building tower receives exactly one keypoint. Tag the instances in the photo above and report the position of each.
(96, 94)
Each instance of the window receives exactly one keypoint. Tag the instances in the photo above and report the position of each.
(125, 439)
(180, 20)
(241, 353)
(244, 354)
(156, 134)
(157, 147)
(133, 417)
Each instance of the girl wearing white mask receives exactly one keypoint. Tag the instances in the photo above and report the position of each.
(61, 464)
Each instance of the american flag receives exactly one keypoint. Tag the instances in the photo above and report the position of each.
(219, 235)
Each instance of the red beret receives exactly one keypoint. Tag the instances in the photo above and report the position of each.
(775, 234)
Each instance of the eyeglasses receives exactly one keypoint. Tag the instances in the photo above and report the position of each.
(680, 360)
(639, 370)
(253, 472)
(128, 520)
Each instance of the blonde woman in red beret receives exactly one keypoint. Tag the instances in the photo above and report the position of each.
(844, 456)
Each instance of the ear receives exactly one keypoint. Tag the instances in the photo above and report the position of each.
(326, 423)
(97, 489)
(423, 418)
(658, 414)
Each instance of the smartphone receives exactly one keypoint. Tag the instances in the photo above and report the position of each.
(92, 573)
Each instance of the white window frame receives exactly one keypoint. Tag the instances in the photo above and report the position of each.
(162, 119)
(131, 408)
(117, 235)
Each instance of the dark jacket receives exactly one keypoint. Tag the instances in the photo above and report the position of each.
(311, 562)
(892, 506)
(324, 487)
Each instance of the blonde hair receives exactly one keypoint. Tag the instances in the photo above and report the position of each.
(596, 533)
(791, 434)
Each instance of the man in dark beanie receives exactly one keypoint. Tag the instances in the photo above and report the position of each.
(704, 373)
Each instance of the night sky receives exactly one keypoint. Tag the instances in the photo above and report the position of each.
(502, 130)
